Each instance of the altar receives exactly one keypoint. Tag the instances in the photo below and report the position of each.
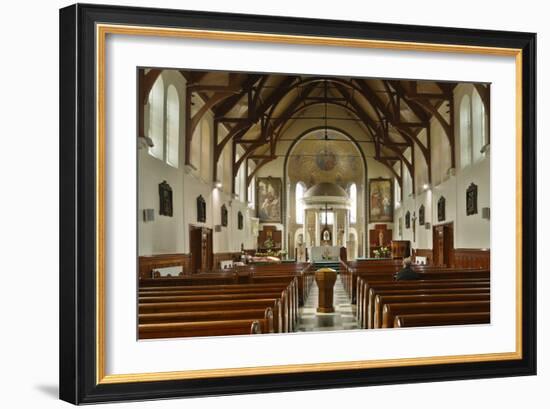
(324, 253)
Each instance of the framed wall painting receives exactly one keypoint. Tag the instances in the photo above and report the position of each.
(165, 198)
(224, 215)
(269, 201)
(471, 199)
(380, 200)
(101, 360)
(201, 209)
(441, 209)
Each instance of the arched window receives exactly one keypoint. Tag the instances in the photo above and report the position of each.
(353, 203)
(205, 151)
(156, 119)
(465, 131)
(300, 190)
(479, 126)
(195, 151)
(172, 126)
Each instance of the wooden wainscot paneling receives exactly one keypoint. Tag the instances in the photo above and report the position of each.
(148, 263)
(472, 258)
(424, 253)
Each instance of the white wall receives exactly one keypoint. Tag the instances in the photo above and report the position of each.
(32, 381)
(171, 234)
(469, 231)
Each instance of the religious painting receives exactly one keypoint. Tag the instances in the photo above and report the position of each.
(441, 209)
(201, 209)
(471, 199)
(408, 220)
(421, 215)
(224, 216)
(325, 159)
(269, 199)
(165, 196)
(380, 200)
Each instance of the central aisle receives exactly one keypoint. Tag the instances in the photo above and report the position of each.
(342, 319)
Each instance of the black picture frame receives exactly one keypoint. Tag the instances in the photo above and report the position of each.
(441, 209)
(408, 220)
(240, 220)
(224, 215)
(471, 199)
(79, 361)
(201, 209)
(421, 215)
(165, 199)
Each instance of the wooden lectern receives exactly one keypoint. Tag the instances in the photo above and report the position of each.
(325, 279)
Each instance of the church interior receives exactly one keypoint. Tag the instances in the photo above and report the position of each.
(280, 203)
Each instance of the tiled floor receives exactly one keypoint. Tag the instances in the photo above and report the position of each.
(343, 318)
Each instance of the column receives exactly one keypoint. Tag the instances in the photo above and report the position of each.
(335, 229)
(317, 240)
(304, 228)
(346, 228)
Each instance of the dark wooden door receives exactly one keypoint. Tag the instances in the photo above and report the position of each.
(438, 245)
(443, 245)
(195, 247)
(207, 255)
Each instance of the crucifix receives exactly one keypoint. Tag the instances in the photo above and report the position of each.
(414, 226)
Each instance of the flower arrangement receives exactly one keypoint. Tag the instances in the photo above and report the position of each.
(382, 252)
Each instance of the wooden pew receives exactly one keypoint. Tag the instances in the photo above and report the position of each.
(365, 306)
(208, 297)
(286, 301)
(289, 300)
(390, 311)
(222, 315)
(364, 297)
(452, 288)
(195, 306)
(201, 329)
(427, 273)
(432, 320)
(381, 300)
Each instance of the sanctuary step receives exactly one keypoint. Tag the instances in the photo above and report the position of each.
(335, 265)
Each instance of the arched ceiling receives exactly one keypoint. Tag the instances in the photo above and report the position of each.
(257, 109)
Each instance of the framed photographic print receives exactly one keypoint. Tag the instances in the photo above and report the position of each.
(301, 127)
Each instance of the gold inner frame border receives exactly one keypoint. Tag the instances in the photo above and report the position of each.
(102, 30)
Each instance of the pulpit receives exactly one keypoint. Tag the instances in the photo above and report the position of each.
(325, 279)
